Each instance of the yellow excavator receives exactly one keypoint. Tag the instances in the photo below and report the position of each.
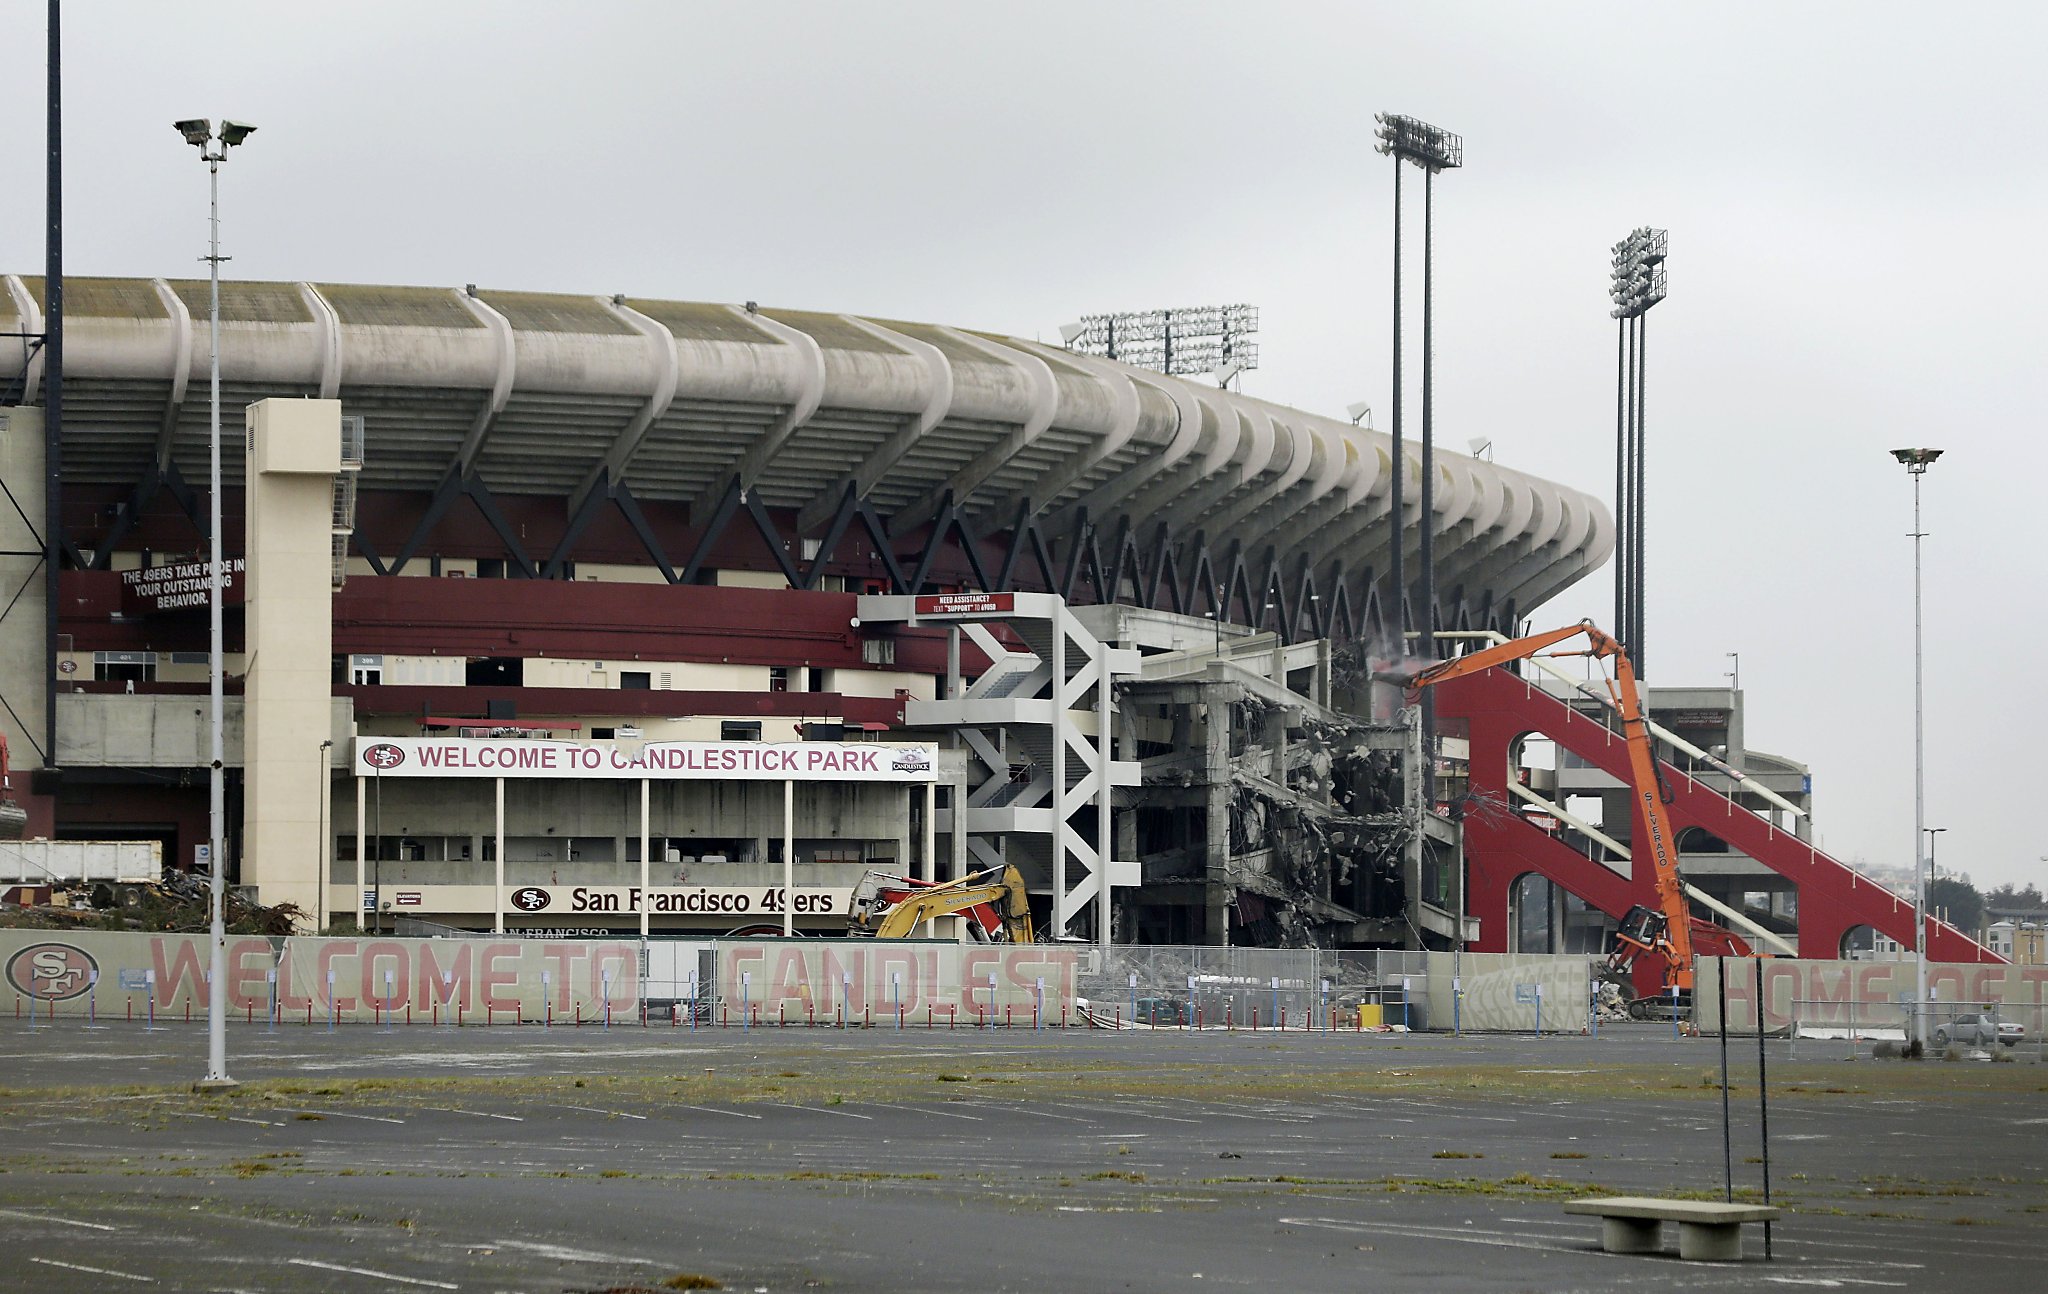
(1669, 928)
(994, 903)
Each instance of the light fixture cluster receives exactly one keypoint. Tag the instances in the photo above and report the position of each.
(1182, 342)
(1637, 280)
(199, 133)
(1917, 461)
(1431, 147)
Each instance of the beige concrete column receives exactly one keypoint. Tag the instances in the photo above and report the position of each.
(788, 857)
(645, 868)
(498, 904)
(928, 865)
(24, 652)
(362, 853)
(293, 453)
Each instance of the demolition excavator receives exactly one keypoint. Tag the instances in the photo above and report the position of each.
(1669, 929)
(994, 902)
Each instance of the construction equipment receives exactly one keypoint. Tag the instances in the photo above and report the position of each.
(1668, 928)
(994, 902)
(13, 818)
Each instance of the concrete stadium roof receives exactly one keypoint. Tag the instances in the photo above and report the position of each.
(540, 394)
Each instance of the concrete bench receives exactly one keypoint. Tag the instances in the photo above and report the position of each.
(1707, 1230)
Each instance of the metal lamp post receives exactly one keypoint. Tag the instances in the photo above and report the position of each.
(214, 148)
(1916, 462)
(1933, 871)
(324, 852)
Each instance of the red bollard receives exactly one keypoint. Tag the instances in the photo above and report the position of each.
(408, 1012)
(927, 1015)
(1255, 1019)
(1006, 1015)
(309, 1014)
(1119, 1016)
(188, 1011)
(131, 1010)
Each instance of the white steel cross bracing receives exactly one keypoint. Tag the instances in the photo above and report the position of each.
(1037, 728)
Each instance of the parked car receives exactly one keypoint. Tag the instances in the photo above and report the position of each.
(1978, 1031)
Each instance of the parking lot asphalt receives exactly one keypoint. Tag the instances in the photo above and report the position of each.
(529, 1159)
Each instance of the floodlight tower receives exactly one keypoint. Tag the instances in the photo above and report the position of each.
(1434, 149)
(1636, 282)
(1916, 463)
(199, 133)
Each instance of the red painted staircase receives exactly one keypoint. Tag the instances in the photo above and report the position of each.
(1495, 708)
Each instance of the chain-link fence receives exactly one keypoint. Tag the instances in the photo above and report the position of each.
(1846, 1029)
(750, 982)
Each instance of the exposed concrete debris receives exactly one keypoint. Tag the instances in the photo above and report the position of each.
(1282, 816)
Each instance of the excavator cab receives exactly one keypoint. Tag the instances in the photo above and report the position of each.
(1642, 930)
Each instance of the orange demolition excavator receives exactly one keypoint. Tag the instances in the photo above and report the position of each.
(1669, 929)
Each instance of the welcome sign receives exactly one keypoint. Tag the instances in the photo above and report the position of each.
(704, 761)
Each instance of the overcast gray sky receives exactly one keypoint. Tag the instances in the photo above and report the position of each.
(1854, 194)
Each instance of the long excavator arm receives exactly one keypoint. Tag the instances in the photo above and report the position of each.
(1667, 928)
(1000, 888)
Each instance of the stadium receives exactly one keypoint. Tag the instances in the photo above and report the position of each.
(1134, 616)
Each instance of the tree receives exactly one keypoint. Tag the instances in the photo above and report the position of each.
(1956, 901)
(2006, 897)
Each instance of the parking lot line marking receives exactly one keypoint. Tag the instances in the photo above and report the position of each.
(366, 1271)
(1501, 1240)
(337, 1114)
(475, 1114)
(590, 1110)
(944, 1114)
(1064, 1118)
(97, 1271)
(261, 1123)
(561, 1253)
(1132, 1114)
(844, 1114)
(46, 1217)
(733, 1114)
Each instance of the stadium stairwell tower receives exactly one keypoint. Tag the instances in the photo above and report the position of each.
(294, 456)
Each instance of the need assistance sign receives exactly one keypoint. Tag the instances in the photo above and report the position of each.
(700, 761)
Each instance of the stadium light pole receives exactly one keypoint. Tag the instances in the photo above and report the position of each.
(1406, 139)
(213, 147)
(1916, 463)
(1636, 282)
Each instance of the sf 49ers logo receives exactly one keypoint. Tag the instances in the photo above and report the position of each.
(530, 898)
(383, 755)
(53, 972)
